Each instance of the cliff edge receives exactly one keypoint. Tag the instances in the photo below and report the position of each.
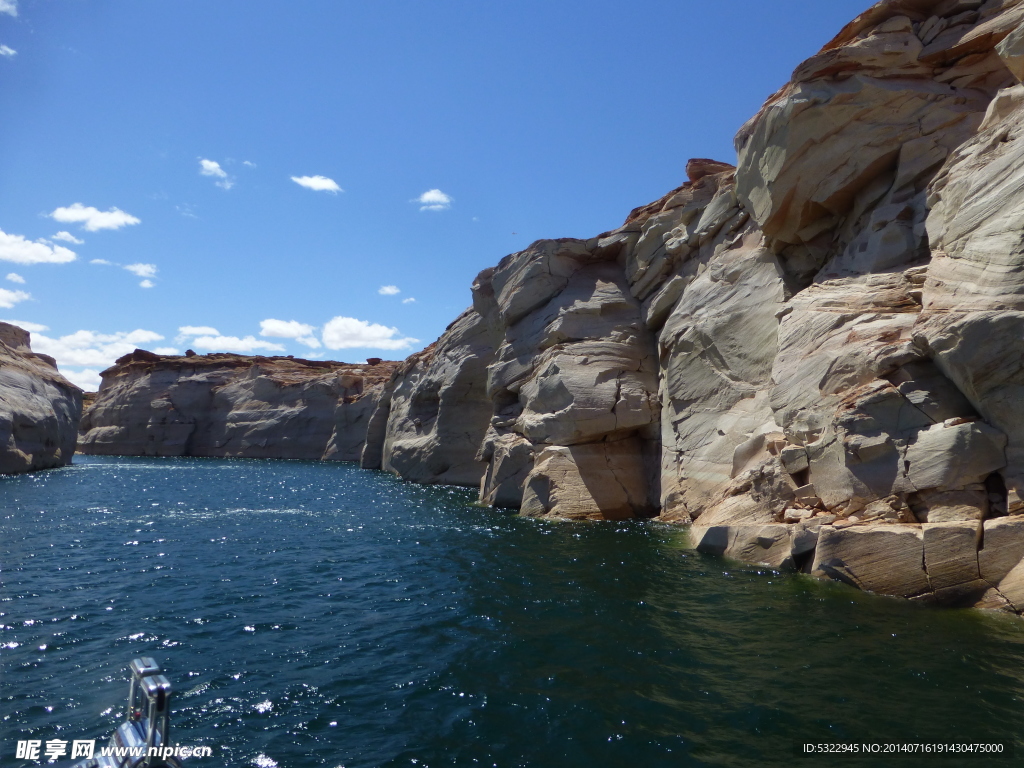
(39, 408)
(233, 406)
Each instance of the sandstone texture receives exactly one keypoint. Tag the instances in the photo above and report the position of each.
(39, 408)
(814, 358)
(233, 406)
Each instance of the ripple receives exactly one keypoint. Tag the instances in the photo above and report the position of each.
(360, 621)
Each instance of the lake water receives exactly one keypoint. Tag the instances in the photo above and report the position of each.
(316, 614)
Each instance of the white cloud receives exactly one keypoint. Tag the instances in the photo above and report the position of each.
(21, 251)
(6, 51)
(410, 300)
(14, 277)
(87, 378)
(290, 329)
(92, 219)
(212, 168)
(197, 330)
(249, 163)
(100, 261)
(28, 326)
(349, 333)
(9, 7)
(67, 237)
(146, 284)
(9, 298)
(235, 344)
(434, 200)
(89, 348)
(141, 270)
(318, 183)
(389, 290)
(167, 351)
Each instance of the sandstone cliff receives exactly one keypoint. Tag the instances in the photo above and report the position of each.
(39, 408)
(233, 405)
(813, 357)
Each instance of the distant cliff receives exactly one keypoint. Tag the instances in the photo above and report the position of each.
(39, 408)
(233, 405)
(813, 357)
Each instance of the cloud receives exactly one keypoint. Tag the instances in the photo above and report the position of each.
(235, 344)
(290, 329)
(141, 270)
(249, 163)
(27, 325)
(6, 51)
(21, 251)
(389, 290)
(167, 351)
(14, 277)
(410, 300)
(93, 220)
(67, 237)
(434, 200)
(9, 7)
(318, 184)
(101, 261)
(89, 348)
(9, 298)
(88, 378)
(212, 168)
(350, 333)
(197, 330)
(146, 284)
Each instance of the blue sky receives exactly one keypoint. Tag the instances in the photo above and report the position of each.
(324, 178)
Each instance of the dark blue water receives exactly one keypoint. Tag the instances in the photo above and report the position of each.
(321, 615)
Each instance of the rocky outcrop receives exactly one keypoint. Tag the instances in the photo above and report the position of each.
(39, 408)
(233, 405)
(812, 357)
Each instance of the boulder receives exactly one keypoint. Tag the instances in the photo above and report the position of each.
(886, 559)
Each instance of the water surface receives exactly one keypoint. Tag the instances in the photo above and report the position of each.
(321, 615)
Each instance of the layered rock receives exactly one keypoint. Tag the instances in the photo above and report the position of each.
(813, 357)
(233, 406)
(39, 408)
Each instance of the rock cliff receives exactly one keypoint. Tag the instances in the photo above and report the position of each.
(813, 357)
(233, 405)
(39, 408)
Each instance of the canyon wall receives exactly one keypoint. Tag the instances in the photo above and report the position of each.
(233, 406)
(813, 357)
(39, 408)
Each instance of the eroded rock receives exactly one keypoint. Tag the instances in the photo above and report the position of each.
(39, 408)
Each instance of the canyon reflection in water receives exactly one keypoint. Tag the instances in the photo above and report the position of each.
(316, 614)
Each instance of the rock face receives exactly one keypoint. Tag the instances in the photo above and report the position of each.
(39, 408)
(813, 358)
(233, 405)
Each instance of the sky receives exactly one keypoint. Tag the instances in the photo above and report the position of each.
(325, 178)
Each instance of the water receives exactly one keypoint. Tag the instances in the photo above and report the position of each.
(321, 615)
